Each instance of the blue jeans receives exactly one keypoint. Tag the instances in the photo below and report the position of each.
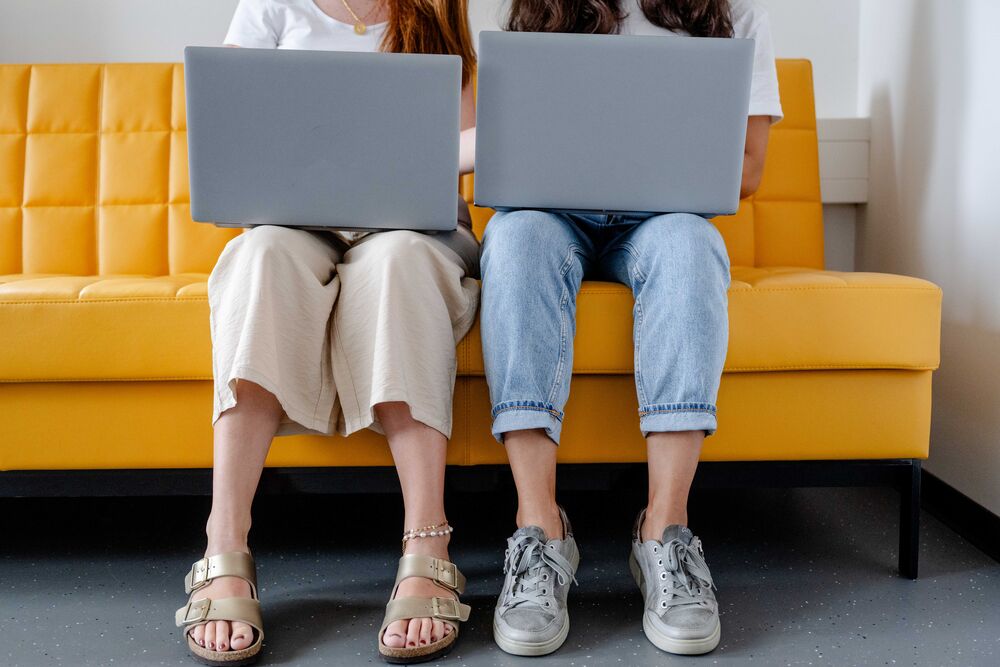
(532, 265)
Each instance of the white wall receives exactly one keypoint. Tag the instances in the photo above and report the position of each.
(35, 31)
(928, 78)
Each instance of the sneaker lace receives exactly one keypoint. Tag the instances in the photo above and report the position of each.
(528, 562)
(684, 574)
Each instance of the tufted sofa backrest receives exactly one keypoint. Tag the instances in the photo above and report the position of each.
(93, 173)
(94, 181)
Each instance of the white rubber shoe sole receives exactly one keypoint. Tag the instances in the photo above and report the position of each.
(665, 642)
(515, 647)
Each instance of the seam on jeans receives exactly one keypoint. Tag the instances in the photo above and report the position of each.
(636, 261)
(665, 408)
(530, 406)
(557, 380)
(638, 279)
(637, 326)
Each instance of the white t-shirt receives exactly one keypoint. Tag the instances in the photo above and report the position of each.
(749, 21)
(296, 24)
(302, 25)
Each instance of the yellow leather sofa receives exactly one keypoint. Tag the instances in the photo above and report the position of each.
(105, 357)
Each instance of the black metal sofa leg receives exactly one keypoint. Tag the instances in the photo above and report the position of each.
(909, 520)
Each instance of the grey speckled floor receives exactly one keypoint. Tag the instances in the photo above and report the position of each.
(806, 577)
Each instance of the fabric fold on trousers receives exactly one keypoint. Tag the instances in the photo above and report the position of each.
(333, 329)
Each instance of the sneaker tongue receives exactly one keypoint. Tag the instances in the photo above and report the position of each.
(676, 532)
(532, 531)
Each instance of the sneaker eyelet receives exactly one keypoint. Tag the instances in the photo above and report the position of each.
(663, 604)
(545, 577)
(663, 576)
(664, 591)
(660, 562)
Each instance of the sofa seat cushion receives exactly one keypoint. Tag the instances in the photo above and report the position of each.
(144, 328)
(780, 319)
(104, 328)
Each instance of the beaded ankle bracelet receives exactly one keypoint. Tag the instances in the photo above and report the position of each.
(437, 530)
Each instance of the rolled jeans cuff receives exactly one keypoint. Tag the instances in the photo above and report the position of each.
(674, 417)
(522, 415)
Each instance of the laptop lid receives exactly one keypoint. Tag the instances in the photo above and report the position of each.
(611, 123)
(323, 139)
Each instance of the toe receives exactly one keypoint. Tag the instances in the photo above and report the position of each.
(210, 635)
(222, 635)
(448, 629)
(425, 631)
(241, 636)
(413, 633)
(395, 634)
(437, 630)
(198, 634)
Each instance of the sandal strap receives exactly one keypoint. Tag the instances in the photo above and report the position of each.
(243, 610)
(449, 610)
(232, 564)
(439, 570)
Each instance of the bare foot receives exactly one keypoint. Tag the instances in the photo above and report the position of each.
(420, 631)
(223, 635)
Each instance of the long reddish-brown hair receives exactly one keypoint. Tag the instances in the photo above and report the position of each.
(431, 26)
(699, 18)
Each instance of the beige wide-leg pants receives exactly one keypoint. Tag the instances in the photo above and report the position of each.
(333, 329)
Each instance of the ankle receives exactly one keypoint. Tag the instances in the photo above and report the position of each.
(546, 517)
(428, 546)
(658, 518)
(226, 536)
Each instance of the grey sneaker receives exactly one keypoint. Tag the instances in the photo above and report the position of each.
(681, 614)
(530, 617)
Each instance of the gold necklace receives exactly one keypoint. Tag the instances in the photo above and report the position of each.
(359, 25)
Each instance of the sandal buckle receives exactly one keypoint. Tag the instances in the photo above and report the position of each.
(198, 576)
(447, 573)
(446, 608)
(201, 608)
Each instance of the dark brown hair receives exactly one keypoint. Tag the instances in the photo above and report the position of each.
(431, 26)
(699, 18)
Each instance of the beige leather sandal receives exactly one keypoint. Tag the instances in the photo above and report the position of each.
(444, 574)
(244, 610)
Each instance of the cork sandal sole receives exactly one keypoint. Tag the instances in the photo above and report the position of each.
(416, 654)
(246, 656)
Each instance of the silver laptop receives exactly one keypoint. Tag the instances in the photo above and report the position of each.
(611, 123)
(323, 139)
